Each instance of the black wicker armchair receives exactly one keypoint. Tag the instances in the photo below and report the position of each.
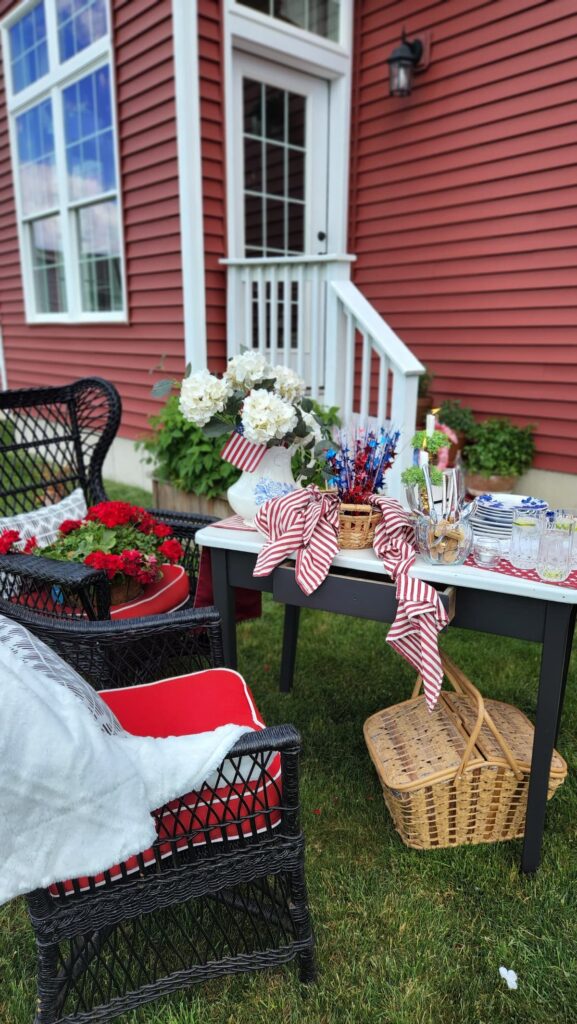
(52, 441)
(213, 899)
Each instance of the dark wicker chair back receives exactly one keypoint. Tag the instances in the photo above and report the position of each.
(53, 440)
(216, 899)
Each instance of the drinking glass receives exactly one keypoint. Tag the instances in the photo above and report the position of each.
(571, 514)
(555, 547)
(525, 534)
(487, 552)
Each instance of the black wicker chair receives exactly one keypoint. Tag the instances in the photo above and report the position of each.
(230, 905)
(53, 440)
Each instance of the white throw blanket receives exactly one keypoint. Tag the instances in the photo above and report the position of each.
(76, 791)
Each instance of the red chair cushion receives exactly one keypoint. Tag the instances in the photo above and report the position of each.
(225, 809)
(170, 592)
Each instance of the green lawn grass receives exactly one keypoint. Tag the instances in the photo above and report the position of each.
(403, 937)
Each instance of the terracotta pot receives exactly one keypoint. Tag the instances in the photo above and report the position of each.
(478, 484)
(124, 589)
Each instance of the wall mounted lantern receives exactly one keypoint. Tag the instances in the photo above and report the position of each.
(409, 56)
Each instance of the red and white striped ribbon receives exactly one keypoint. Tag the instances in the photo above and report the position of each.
(305, 521)
(243, 454)
(420, 613)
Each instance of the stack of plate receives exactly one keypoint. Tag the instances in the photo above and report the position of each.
(494, 514)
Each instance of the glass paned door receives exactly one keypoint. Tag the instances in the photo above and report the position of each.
(281, 144)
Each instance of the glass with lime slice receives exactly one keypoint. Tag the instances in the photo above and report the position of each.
(555, 547)
(525, 533)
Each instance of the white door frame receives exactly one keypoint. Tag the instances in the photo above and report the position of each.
(316, 143)
(253, 33)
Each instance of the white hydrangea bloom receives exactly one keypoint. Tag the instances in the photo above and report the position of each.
(247, 369)
(313, 425)
(202, 396)
(267, 417)
(288, 384)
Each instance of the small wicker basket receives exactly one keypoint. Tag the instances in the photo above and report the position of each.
(357, 525)
(459, 775)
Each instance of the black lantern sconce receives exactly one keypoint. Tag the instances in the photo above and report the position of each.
(409, 56)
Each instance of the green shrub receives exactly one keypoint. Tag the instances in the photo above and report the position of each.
(499, 448)
(458, 417)
(184, 456)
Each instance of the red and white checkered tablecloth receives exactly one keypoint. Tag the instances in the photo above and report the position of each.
(506, 569)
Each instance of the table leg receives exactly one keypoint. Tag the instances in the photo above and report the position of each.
(289, 647)
(558, 635)
(224, 601)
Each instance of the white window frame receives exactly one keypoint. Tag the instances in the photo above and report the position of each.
(264, 36)
(51, 85)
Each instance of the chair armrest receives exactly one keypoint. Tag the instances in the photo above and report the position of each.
(185, 528)
(30, 579)
(123, 652)
(274, 737)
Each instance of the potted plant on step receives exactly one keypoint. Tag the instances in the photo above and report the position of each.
(498, 454)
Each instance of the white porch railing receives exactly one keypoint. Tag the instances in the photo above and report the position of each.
(305, 312)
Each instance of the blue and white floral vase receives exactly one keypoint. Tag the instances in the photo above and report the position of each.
(272, 479)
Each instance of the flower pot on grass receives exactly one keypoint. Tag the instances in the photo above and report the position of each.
(477, 484)
(166, 495)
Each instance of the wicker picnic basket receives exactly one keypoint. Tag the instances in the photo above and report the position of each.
(357, 525)
(459, 774)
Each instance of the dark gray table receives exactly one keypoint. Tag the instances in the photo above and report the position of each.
(358, 585)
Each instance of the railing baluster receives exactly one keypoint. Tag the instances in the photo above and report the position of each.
(273, 320)
(287, 298)
(315, 338)
(261, 309)
(302, 299)
(248, 341)
(349, 364)
(383, 387)
(366, 376)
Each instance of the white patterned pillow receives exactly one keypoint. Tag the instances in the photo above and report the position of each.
(43, 522)
(23, 646)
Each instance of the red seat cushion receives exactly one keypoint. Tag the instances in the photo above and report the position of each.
(243, 804)
(170, 592)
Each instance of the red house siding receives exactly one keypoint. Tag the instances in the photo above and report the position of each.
(40, 354)
(464, 206)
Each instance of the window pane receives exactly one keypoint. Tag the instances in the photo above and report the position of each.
(318, 16)
(48, 265)
(99, 244)
(88, 135)
(28, 48)
(80, 23)
(36, 160)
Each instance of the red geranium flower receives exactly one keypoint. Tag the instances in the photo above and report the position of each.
(112, 513)
(172, 550)
(7, 539)
(69, 525)
(162, 530)
(30, 545)
(112, 564)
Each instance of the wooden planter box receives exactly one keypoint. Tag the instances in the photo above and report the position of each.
(166, 496)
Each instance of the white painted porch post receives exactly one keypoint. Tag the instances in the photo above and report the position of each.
(185, 41)
(335, 337)
(403, 418)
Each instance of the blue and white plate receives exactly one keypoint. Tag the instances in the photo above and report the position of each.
(508, 503)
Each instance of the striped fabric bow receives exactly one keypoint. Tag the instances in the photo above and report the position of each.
(420, 613)
(305, 521)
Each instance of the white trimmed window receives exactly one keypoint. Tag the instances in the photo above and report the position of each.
(58, 73)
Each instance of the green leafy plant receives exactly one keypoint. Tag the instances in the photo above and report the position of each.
(435, 441)
(425, 381)
(414, 475)
(458, 417)
(499, 448)
(184, 456)
(309, 467)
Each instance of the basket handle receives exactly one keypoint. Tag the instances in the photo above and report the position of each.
(462, 684)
